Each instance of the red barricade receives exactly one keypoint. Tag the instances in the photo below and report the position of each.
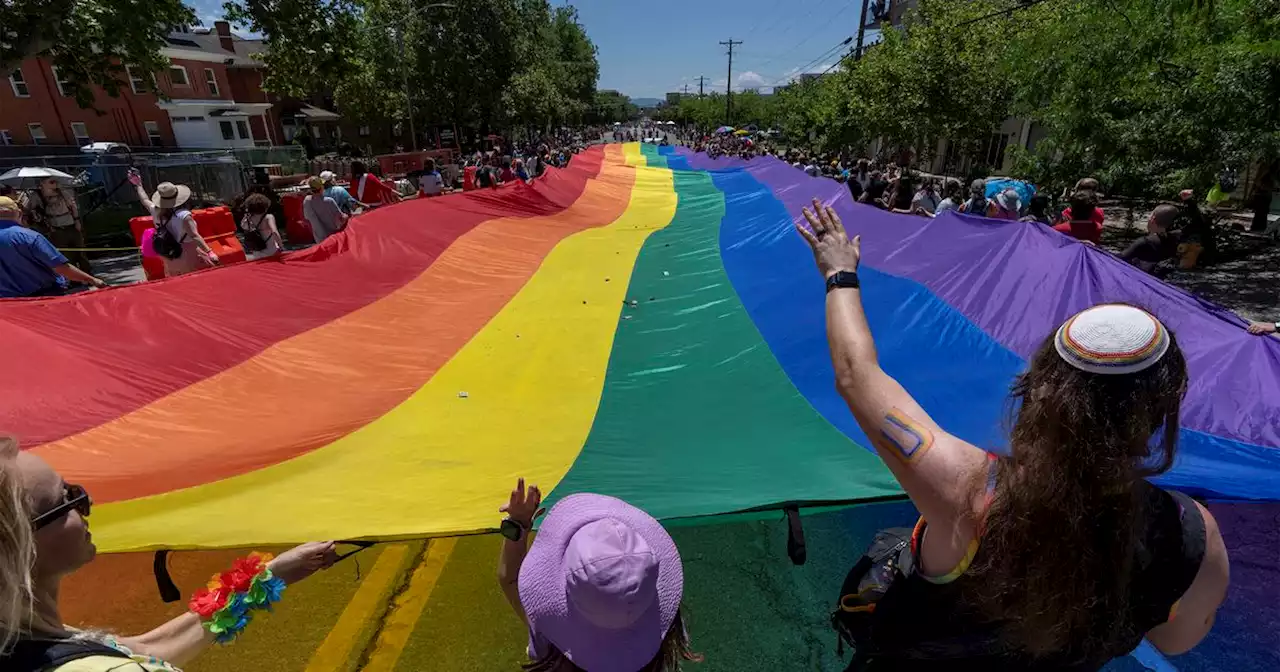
(216, 226)
(296, 227)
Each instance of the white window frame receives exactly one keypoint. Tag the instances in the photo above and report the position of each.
(242, 130)
(186, 76)
(152, 129)
(57, 80)
(6, 138)
(134, 81)
(81, 140)
(16, 79)
(364, 131)
(32, 128)
(211, 79)
(228, 131)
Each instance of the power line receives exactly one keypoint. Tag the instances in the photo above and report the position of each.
(831, 19)
(728, 84)
(701, 80)
(800, 70)
(1022, 4)
(857, 52)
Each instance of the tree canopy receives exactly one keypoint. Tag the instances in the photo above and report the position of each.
(479, 63)
(89, 41)
(1149, 95)
(706, 112)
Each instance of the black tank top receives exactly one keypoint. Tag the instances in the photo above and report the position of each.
(921, 625)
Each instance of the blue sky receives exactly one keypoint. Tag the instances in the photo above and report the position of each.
(652, 47)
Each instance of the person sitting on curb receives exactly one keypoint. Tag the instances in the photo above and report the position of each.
(600, 588)
(29, 264)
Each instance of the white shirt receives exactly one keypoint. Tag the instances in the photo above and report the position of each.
(431, 183)
(927, 199)
(178, 228)
(945, 205)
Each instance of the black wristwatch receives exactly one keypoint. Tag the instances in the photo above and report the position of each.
(843, 279)
(512, 529)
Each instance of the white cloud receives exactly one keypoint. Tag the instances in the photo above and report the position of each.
(751, 80)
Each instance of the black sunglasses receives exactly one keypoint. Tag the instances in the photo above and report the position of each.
(74, 497)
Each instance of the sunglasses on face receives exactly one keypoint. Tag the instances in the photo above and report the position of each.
(74, 497)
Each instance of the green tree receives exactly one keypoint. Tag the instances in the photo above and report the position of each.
(480, 64)
(1150, 96)
(89, 41)
(578, 61)
(936, 78)
(611, 106)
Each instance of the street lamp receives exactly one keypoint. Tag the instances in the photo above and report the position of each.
(408, 102)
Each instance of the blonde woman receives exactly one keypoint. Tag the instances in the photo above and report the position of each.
(17, 549)
(44, 537)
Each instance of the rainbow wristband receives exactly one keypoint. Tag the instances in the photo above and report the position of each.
(227, 604)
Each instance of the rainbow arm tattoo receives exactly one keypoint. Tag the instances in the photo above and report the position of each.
(908, 437)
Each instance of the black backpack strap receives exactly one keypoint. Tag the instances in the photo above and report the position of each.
(796, 549)
(1194, 541)
(46, 655)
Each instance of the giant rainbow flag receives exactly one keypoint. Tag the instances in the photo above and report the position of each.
(644, 323)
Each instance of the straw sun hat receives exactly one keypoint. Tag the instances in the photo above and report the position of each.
(170, 195)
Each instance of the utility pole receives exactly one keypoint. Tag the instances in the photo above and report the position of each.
(862, 30)
(686, 89)
(728, 85)
(701, 80)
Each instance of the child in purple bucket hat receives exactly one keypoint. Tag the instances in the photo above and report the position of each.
(599, 588)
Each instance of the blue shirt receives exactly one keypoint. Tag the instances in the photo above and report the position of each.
(26, 261)
(339, 196)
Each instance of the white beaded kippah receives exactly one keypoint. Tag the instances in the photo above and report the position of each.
(1112, 339)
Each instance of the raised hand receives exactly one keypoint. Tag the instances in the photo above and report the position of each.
(832, 249)
(524, 505)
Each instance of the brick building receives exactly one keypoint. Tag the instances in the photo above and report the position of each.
(212, 98)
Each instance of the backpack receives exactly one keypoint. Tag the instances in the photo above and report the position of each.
(47, 655)
(252, 237)
(164, 243)
(1228, 180)
(887, 560)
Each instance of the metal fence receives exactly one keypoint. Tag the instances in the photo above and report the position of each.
(214, 176)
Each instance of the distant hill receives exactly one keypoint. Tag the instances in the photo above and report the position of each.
(646, 102)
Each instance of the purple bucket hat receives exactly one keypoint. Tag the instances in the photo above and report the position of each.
(602, 583)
